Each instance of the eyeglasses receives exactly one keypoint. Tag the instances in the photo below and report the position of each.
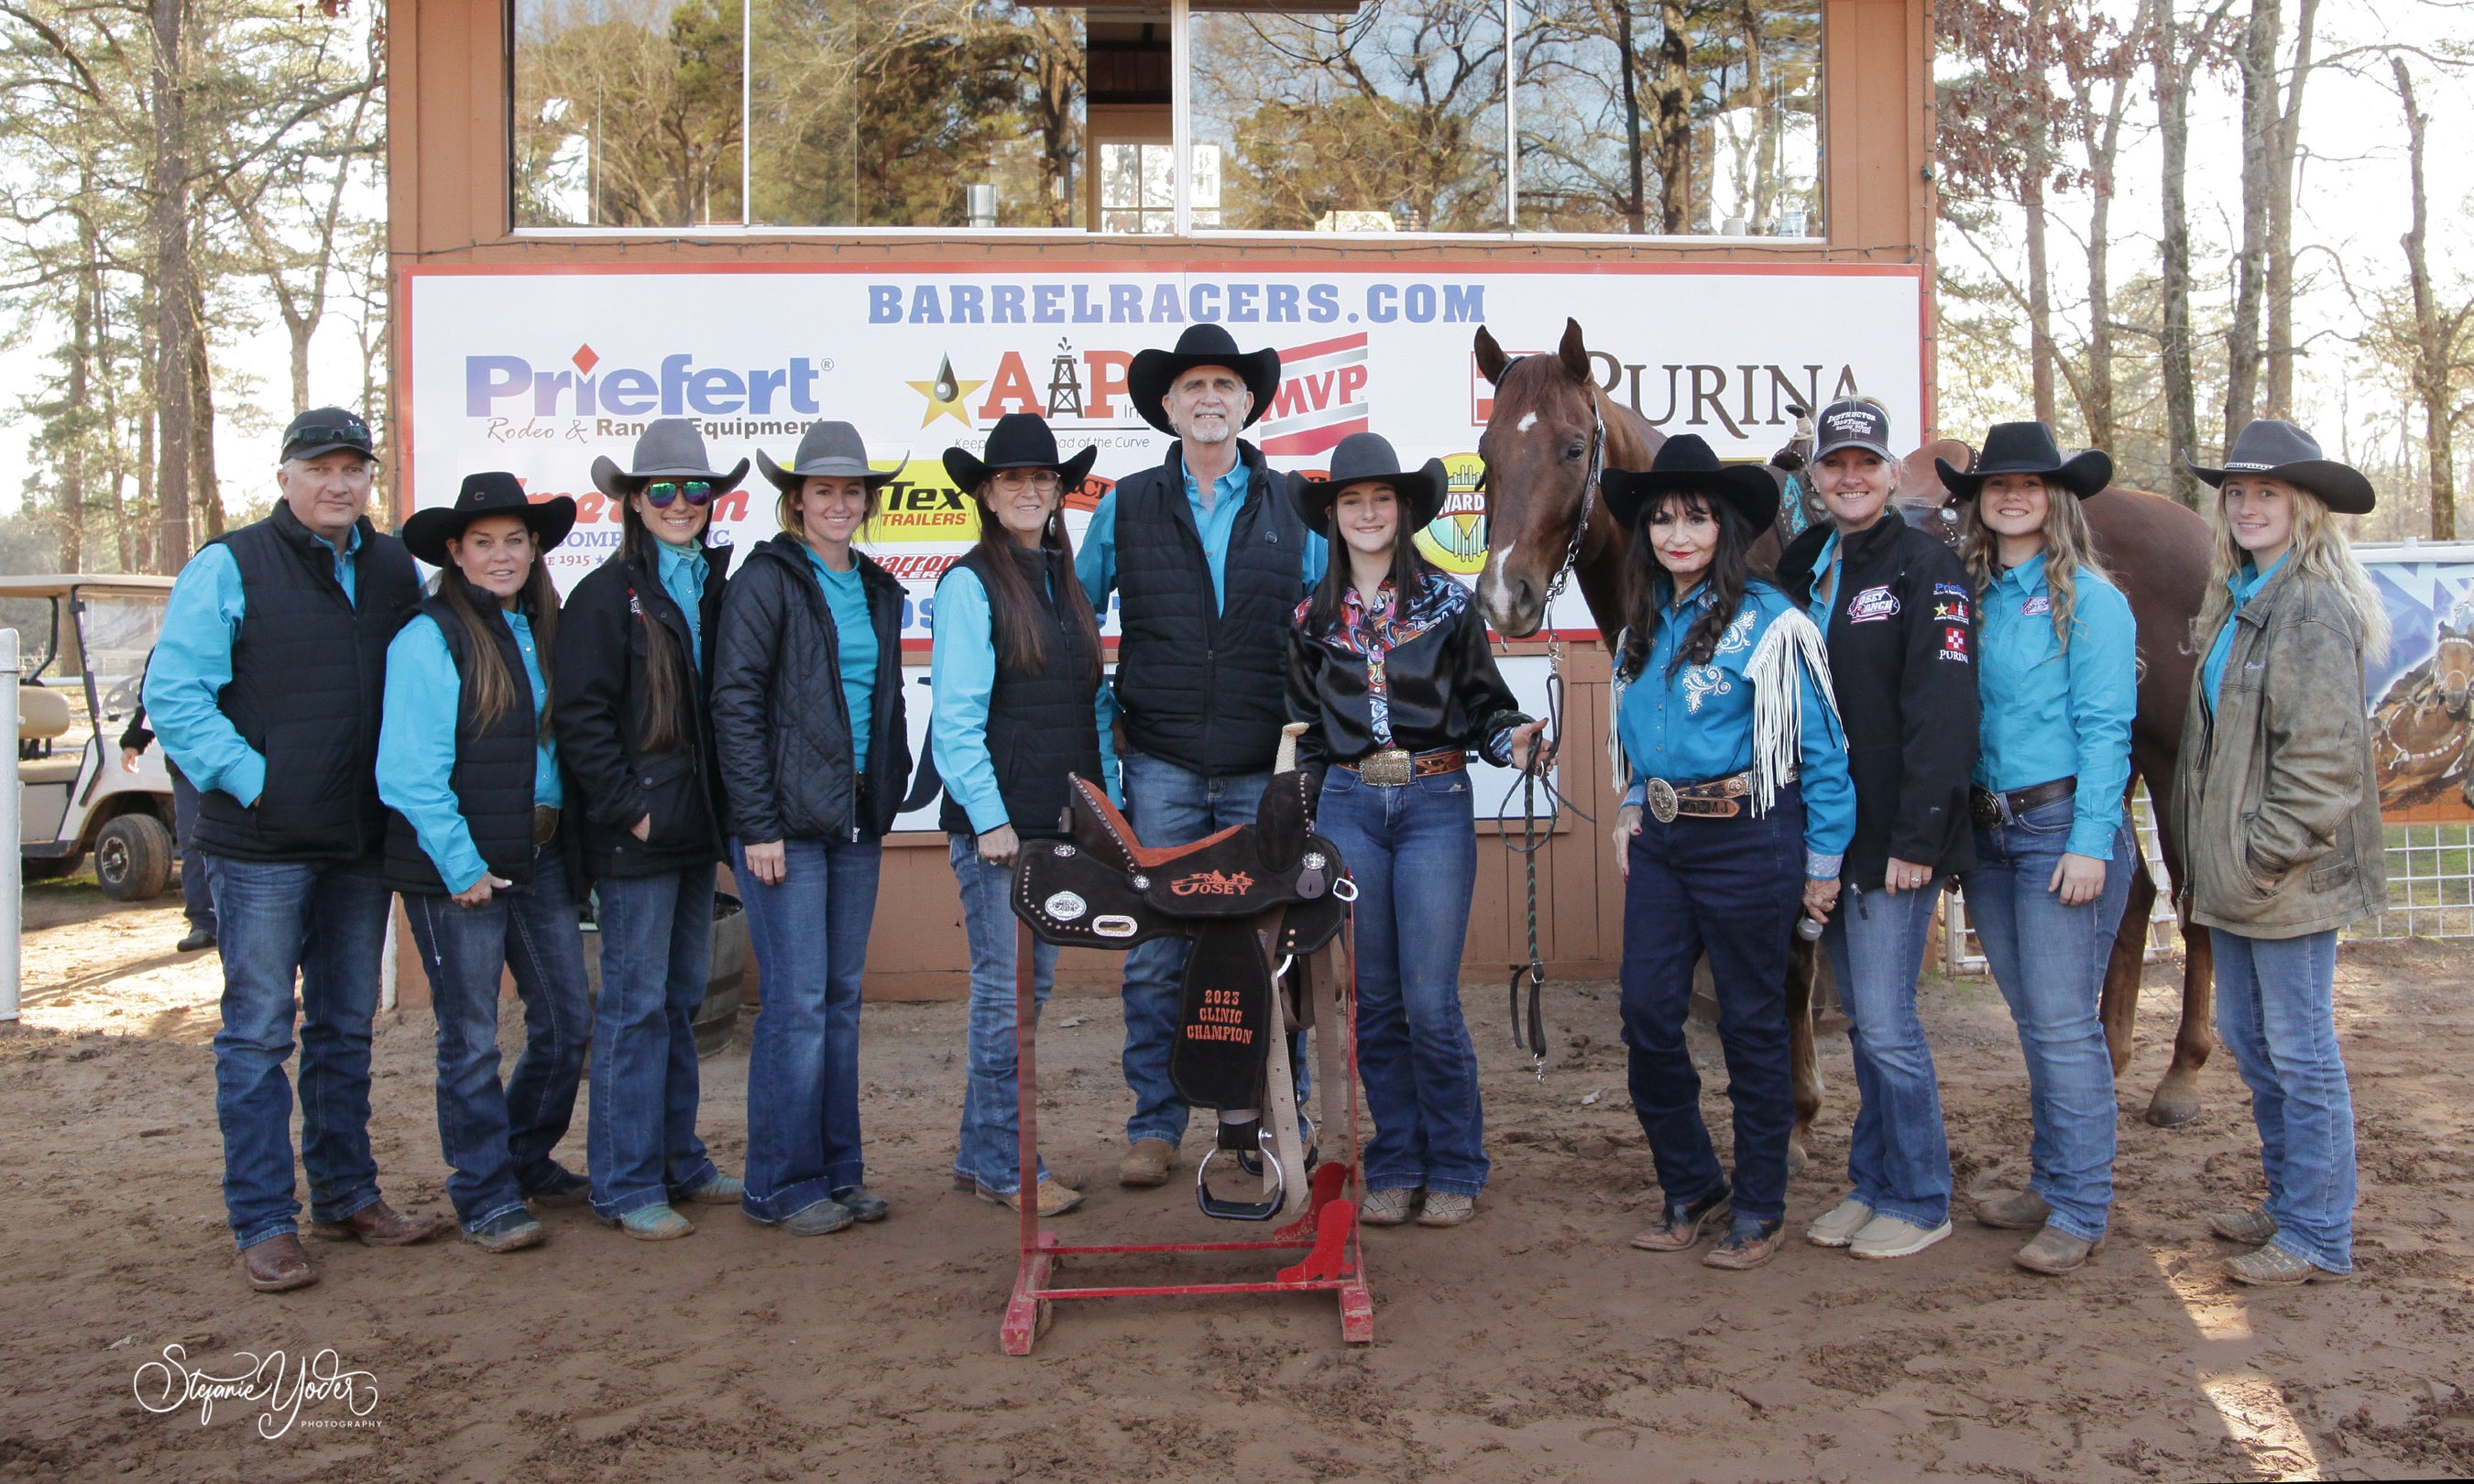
(663, 492)
(1045, 481)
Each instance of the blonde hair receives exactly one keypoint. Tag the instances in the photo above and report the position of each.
(2070, 552)
(785, 508)
(2320, 552)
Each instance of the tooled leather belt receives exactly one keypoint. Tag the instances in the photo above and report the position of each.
(1992, 810)
(1717, 799)
(1394, 767)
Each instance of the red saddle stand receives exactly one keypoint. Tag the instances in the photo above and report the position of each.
(1334, 1260)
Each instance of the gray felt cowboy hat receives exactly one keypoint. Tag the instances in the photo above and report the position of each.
(1366, 458)
(1686, 463)
(2280, 450)
(426, 532)
(1154, 371)
(668, 448)
(827, 450)
(2028, 448)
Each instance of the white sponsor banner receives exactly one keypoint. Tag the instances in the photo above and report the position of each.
(537, 372)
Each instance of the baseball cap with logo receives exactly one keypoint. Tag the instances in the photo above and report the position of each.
(326, 430)
(1858, 422)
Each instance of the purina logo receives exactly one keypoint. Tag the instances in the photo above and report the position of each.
(497, 386)
(1321, 397)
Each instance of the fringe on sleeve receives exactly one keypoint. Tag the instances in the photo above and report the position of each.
(1778, 702)
(1617, 768)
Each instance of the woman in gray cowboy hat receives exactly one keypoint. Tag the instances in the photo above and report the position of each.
(633, 658)
(1736, 815)
(1389, 668)
(2280, 812)
(807, 725)
(2057, 684)
(469, 766)
(1019, 705)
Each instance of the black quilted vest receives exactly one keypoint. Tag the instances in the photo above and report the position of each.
(494, 767)
(1206, 690)
(308, 677)
(1040, 727)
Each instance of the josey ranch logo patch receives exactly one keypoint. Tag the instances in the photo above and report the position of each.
(2039, 605)
(1213, 883)
(1871, 605)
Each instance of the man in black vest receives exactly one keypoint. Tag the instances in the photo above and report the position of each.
(265, 689)
(1208, 561)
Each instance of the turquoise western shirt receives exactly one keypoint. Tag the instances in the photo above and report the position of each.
(2050, 714)
(1697, 725)
(1095, 562)
(961, 676)
(193, 664)
(854, 636)
(682, 570)
(2245, 585)
(417, 744)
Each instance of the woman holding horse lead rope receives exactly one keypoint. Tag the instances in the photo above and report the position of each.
(1732, 745)
(808, 727)
(1015, 670)
(1389, 668)
(2281, 812)
(2058, 680)
(1894, 605)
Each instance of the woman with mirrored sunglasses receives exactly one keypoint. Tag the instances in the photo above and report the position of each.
(634, 653)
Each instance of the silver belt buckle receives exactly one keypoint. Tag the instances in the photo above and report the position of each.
(1662, 800)
(1389, 768)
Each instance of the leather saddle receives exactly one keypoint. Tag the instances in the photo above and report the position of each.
(1247, 898)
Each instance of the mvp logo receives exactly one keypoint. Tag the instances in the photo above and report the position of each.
(1321, 397)
(1213, 883)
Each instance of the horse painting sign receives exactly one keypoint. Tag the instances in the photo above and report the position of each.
(538, 371)
(2422, 739)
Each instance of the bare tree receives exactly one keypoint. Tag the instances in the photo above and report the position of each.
(2436, 333)
(174, 295)
(2284, 166)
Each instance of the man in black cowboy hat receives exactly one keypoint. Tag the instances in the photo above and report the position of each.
(1209, 560)
(265, 689)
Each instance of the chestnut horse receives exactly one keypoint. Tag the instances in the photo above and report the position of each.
(1536, 452)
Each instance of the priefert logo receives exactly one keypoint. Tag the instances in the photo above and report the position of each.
(504, 385)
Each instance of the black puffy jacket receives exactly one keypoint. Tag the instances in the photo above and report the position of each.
(780, 725)
(598, 714)
(1902, 639)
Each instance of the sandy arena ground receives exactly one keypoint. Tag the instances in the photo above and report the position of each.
(1532, 1345)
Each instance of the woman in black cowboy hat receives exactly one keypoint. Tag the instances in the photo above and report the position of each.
(637, 735)
(2057, 680)
(807, 725)
(1389, 668)
(2281, 812)
(1730, 748)
(1019, 705)
(467, 765)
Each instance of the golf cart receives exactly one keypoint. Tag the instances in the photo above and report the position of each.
(77, 797)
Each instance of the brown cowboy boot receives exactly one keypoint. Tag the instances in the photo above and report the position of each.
(278, 1265)
(379, 1224)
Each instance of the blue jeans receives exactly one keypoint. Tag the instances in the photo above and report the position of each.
(1899, 1160)
(1168, 806)
(2276, 1013)
(2050, 961)
(1731, 888)
(811, 938)
(1413, 852)
(639, 1143)
(497, 1138)
(991, 1151)
(197, 894)
(325, 922)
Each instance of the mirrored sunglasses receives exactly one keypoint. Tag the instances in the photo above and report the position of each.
(662, 491)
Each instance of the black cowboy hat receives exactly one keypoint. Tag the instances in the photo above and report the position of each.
(2280, 450)
(1154, 371)
(1366, 458)
(827, 450)
(428, 531)
(668, 448)
(1686, 463)
(2028, 448)
(1020, 440)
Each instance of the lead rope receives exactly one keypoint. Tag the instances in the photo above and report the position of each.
(1533, 777)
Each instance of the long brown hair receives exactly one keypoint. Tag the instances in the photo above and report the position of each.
(658, 719)
(485, 675)
(2069, 551)
(1408, 576)
(1022, 642)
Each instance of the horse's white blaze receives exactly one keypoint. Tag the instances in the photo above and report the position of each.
(1528, 421)
(1492, 601)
